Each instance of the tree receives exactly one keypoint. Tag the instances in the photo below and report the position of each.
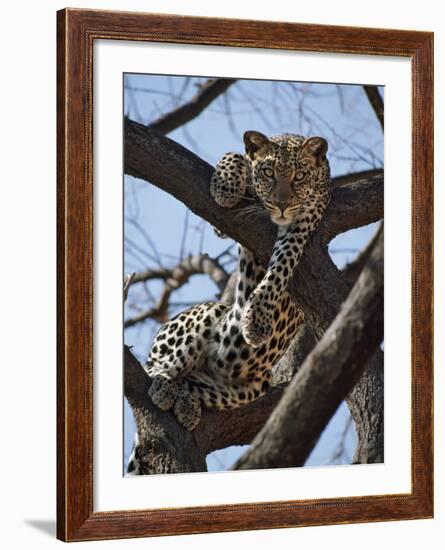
(336, 356)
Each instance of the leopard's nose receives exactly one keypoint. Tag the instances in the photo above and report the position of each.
(282, 206)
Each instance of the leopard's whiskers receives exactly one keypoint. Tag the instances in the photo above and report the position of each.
(251, 210)
(256, 206)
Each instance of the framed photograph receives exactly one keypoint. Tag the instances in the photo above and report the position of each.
(242, 342)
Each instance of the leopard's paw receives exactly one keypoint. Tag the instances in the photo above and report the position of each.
(163, 392)
(256, 322)
(187, 410)
(228, 182)
(254, 334)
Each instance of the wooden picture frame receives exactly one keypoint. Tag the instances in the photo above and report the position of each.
(77, 31)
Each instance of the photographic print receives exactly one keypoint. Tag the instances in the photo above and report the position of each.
(243, 365)
(223, 313)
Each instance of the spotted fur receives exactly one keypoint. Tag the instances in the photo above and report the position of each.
(220, 356)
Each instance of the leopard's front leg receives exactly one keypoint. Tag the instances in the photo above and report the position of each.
(259, 311)
(229, 180)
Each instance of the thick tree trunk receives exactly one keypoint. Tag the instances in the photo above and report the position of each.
(366, 403)
(326, 291)
(326, 377)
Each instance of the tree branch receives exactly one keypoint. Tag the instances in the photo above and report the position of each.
(327, 376)
(352, 270)
(376, 101)
(174, 279)
(127, 284)
(317, 285)
(366, 404)
(339, 181)
(173, 168)
(208, 92)
(199, 264)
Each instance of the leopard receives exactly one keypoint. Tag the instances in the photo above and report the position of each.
(221, 356)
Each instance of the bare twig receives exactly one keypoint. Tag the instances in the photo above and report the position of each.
(184, 234)
(146, 236)
(130, 279)
(376, 101)
(175, 278)
(192, 265)
(140, 250)
(208, 92)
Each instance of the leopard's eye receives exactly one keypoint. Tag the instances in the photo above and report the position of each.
(299, 176)
(268, 172)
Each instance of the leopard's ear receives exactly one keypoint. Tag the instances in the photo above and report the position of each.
(255, 142)
(316, 147)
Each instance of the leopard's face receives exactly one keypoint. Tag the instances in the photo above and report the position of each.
(286, 171)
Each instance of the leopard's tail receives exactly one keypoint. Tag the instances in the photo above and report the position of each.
(227, 395)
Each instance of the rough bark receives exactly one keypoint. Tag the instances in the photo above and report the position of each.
(326, 377)
(317, 286)
(163, 447)
(290, 363)
(339, 181)
(366, 404)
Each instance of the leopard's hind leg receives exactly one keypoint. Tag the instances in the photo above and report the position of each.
(178, 349)
(226, 393)
(233, 350)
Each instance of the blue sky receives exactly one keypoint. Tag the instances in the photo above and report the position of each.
(155, 221)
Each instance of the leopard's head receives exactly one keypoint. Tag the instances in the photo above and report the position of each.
(286, 172)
